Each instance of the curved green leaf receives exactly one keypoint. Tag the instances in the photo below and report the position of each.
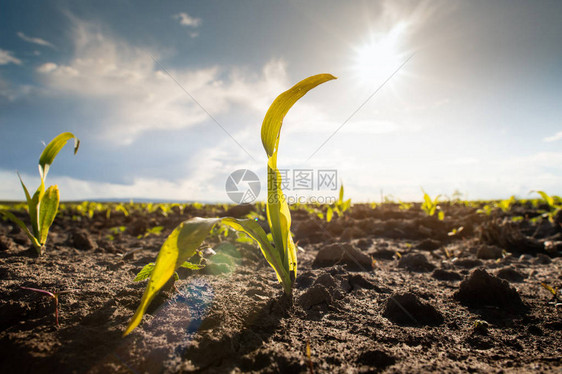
(145, 272)
(271, 126)
(47, 212)
(182, 244)
(22, 225)
(253, 229)
(278, 214)
(178, 247)
(549, 200)
(52, 149)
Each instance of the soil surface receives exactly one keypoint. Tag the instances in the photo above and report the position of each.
(379, 290)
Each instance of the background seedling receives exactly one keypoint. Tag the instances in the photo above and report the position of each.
(430, 207)
(281, 255)
(481, 326)
(554, 205)
(44, 204)
(339, 207)
(552, 290)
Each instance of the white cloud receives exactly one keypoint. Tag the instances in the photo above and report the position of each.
(139, 96)
(12, 92)
(6, 57)
(187, 20)
(47, 67)
(554, 137)
(38, 41)
(204, 180)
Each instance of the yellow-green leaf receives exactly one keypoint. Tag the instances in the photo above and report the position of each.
(549, 200)
(145, 272)
(182, 244)
(22, 225)
(271, 126)
(47, 212)
(178, 247)
(52, 149)
(278, 214)
(329, 214)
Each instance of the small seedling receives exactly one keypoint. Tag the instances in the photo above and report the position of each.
(147, 270)
(554, 205)
(404, 206)
(309, 358)
(505, 205)
(481, 326)
(455, 231)
(52, 295)
(552, 290)
(156, 230)
(281, 255)
(430, 207)
(486, 210)
(339, 207)
(44, 204)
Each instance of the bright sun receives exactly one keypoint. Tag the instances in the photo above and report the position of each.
(379, 57)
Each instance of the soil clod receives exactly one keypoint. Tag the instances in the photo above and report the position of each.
(482, 289)
(415, 262)
(343, 253)
(407, 309)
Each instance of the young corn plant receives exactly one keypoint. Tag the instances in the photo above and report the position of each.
(53, 295)
(43, 205)
(430, 207)
(339, 207)
(281, 254)
(554, 206)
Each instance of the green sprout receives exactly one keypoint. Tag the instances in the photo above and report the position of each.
(183, 242)
(52, 295)
(554, 205)
(43, 205)
(486, 210)
(339, 207)
(156, 230)
(481, 326)
(430, 207)
(552, 290)
(505, 205)
(404, 206)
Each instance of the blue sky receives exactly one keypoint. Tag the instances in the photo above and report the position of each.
(476, 109)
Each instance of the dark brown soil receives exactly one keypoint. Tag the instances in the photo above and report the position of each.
(379, 290)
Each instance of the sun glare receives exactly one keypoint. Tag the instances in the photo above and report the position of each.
(377, 58)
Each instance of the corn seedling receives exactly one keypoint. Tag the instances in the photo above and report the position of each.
(486, 210)
(339, 207)
(404, 206)
(156, 230)
(52, 295)
(430, 207)
(188, 236)
(43, 205)
(481, 326)
(552, 290)
(554, 205)
(455, 231)
(309, 358)
(505, 205)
